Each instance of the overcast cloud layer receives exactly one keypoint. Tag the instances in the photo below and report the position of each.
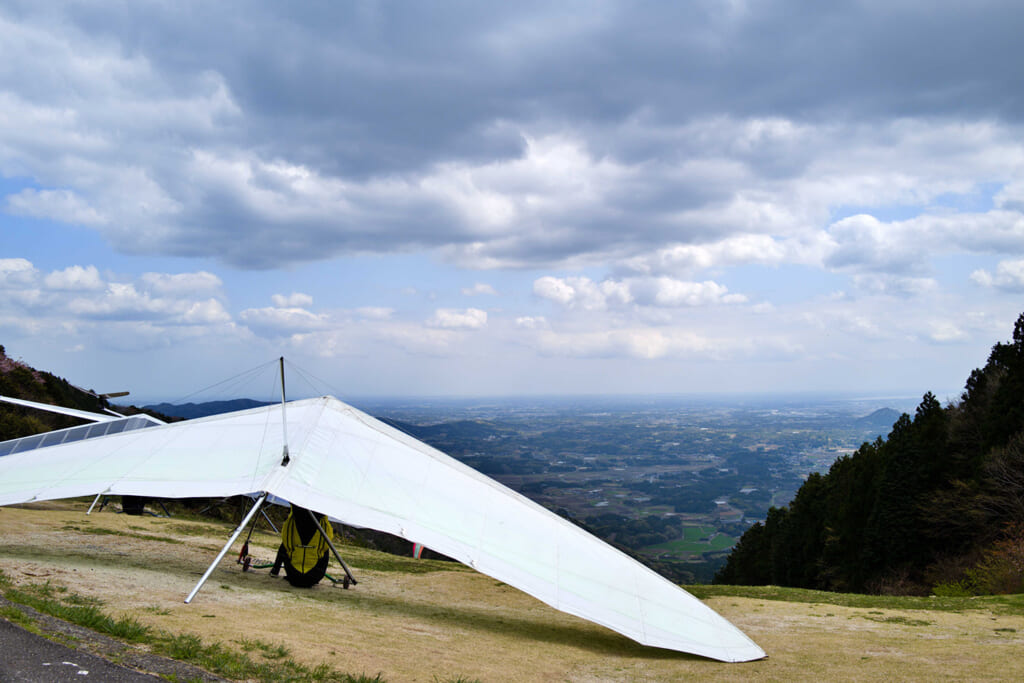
(594, 197)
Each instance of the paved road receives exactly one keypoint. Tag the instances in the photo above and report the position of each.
(26, 657)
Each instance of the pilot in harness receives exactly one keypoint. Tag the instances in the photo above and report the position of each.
(304, 551)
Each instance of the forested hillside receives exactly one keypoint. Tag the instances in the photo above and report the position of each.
(937, 506)
(18, 380)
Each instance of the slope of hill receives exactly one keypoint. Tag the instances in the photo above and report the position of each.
(939, 505)
(427, 621)
(18, 380)
(883, 418)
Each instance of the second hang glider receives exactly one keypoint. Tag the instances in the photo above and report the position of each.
(346, 464)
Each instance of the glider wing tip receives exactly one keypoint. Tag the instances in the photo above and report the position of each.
(750, 654)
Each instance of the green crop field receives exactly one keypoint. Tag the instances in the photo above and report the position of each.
(695, 541)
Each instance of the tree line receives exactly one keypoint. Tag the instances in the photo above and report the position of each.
(18, 380)
(938, 506)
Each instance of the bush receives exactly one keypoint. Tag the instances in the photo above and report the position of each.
(1001, 570)
(954, 589)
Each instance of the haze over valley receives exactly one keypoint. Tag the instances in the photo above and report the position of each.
(675, 480)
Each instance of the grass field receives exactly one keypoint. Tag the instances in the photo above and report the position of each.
(695, 541)
(439, 622)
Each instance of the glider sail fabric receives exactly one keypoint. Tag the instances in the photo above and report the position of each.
(72, 434)
(354, 468)
(213, 457)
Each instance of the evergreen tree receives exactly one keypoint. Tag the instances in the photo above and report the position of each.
(946, 484)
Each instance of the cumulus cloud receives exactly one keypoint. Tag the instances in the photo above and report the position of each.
(1009, 276)
(863, 240)
(480, 288)
(208, 312)
(293, 300)
(59, 205)
(535, 141)
(531, 322)
(1011, 196)
(665, 291)
(16, 273)
(876, 283)
(903, 250)
(638, 343)
(181, 284)
(584, 294)
(581, 292)
(74, 278)
(79, 302)
(281, 321)
(665, 174)
(452, 319)
(734, 250)
(377, 337)
(124, 302)
(945, 332)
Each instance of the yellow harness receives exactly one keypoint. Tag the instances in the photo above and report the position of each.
(304, 557)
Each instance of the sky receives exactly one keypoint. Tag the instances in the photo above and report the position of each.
(485, 199)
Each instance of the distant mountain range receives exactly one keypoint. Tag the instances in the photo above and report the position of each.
(447, 431)
(190, 411)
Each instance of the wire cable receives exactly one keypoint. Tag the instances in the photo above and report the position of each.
(319, 386)
(243, 378)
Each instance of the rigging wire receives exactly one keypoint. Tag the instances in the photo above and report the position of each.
(241, 379)
(319, 386)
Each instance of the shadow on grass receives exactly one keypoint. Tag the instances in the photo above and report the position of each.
(506, 623)
(581, 634)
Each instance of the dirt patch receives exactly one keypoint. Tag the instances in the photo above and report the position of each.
(425, 621)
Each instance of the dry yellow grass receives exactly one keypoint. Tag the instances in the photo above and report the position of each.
(451, 621)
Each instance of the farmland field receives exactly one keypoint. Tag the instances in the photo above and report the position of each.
(695, 541)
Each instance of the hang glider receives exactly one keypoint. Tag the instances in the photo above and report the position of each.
(325, 455)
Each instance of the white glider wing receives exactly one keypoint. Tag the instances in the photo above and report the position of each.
(350, 466)
(102, 426)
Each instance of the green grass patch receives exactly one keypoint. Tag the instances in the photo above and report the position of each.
(265, 649)
(194, 529)
(383, 562)
(102, 531)
(15, 615)
(226, 662)
(998, 604)
(275, 664)
(96, 530)
(696, 540)
(76, 609)
(906, 621)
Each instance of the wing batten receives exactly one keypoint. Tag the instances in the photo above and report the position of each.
(72, 434)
